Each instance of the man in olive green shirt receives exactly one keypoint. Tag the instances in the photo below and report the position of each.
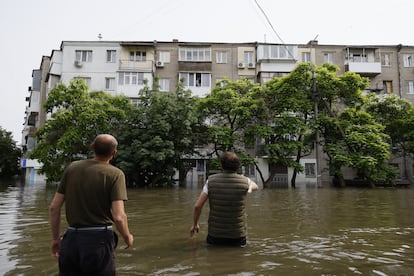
(94, 192)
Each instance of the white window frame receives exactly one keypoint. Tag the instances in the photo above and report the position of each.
(88, 80)
(386, 60)
(306, 56)
(196, 79)
(328, 57)
(111, 56)
(164, 56)
(195, 54)
(278, 51)
(83, 55)
(130, 78)
(248, 57)
(221, 57)
(138, 56)
(410, 87)
(110, 84)
(164, 85)
(408, 60)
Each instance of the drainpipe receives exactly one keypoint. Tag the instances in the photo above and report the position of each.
(399, 46)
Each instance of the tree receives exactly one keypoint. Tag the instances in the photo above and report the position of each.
(397, 115)
(364, 147)
(232, 109)
(159, 132)
(10, 155)
(287, 128)
(351, 137)
(77, 116)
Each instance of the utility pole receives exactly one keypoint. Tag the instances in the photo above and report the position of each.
(316, 96)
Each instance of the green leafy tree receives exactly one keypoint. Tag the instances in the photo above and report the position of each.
(232, 110)
(10, 155)
(160, 132)
(351, 137)
(397, 115)
(287, 128)
(77, 116)
(363, 147)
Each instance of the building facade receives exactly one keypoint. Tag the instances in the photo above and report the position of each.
(125, 67)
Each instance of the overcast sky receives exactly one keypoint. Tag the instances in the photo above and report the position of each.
(31, 29)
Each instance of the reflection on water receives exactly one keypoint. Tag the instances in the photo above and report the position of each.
(291, 232)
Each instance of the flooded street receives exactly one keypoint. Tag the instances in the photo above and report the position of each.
(291, 232)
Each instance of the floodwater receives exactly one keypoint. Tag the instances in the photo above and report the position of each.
(306, 231)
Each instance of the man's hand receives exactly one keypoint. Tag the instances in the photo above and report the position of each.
(194, 229)
(129, 241)
(55, 248)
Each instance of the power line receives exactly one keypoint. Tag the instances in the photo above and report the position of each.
(269, 22)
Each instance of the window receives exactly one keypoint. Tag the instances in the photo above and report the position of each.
(196, 79)
(328, 57)
(250, 170)
(137, 56)
(386, 60)
(110, 56)
(86, 79)
(408, 61)
(200, 165)
(410, 87)
(164, 56)
(84, 56)
(387, 86)
(194, 54)
(164, 85)
(277, 52)
(221, 57)
(248, 57)
(310, 170)
(359, 58)
(131, 78)
(306, 57)
(110, 83)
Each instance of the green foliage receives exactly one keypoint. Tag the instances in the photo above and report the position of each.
(78, 116)
(232, 108)
(363, 147)
(10, 155)
(397, 115)
(159, 132)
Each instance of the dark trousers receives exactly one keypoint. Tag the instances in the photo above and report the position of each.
(87, 253)
(226, 241)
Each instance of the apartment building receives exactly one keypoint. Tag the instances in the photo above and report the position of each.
(124, 67)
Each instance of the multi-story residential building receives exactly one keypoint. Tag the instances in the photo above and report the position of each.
(125, 67)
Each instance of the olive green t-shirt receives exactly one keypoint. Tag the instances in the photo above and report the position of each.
(89, 187)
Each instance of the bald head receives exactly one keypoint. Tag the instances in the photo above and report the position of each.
(104, 146)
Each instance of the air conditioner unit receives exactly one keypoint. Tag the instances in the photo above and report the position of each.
(78, 63)
(159, 63)
(251, 65)
(240, 65)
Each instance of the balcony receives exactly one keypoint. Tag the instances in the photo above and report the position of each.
(140, 66)
(364, 61)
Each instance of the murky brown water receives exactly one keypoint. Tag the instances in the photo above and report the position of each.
(291, 232)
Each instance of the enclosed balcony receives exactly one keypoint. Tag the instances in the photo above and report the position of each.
(364, 61)
(276, 58)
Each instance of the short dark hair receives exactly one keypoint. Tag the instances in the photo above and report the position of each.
(230, 161)
(104, 145)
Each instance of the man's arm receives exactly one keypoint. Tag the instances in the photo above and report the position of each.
(121, 221)
(54, 214)
(198, 207)
(252, 186)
